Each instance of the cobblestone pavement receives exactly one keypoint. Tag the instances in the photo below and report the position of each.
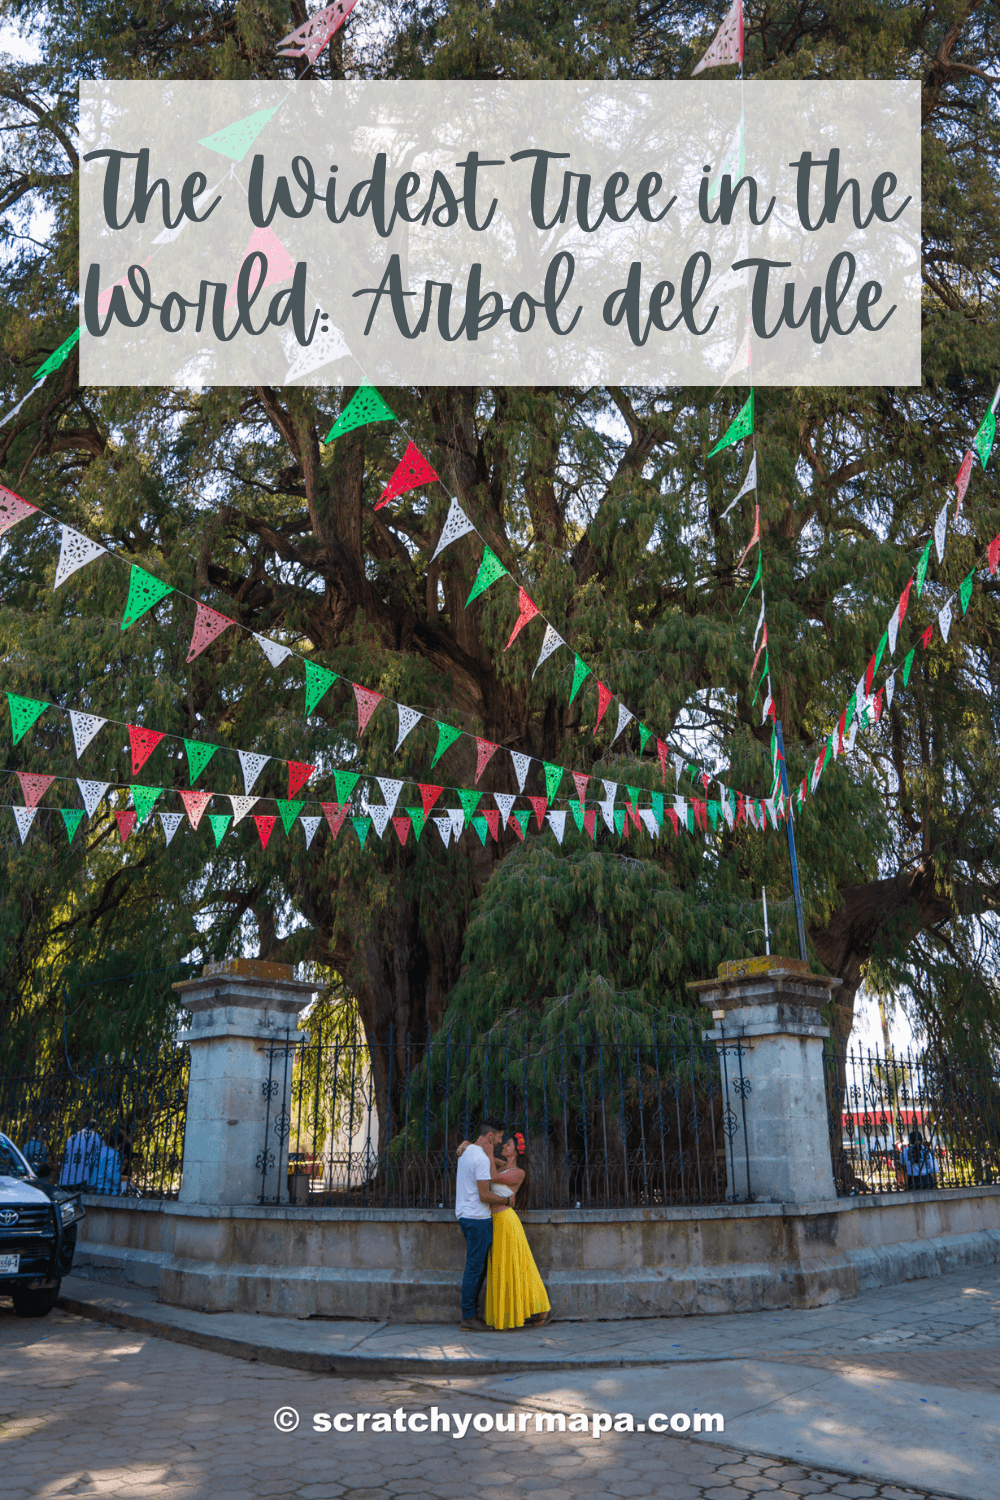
(89, 1410)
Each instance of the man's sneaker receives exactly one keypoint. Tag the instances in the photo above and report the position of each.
(474, 1325)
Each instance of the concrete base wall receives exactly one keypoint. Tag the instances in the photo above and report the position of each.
(407, 1265)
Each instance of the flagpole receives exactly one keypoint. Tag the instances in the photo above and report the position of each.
(790, 824)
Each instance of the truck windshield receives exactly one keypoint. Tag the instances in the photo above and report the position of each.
(11, 1163)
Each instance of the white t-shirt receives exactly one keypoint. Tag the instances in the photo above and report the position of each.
(473, 1167)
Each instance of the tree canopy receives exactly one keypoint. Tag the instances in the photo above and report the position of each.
(601, 501)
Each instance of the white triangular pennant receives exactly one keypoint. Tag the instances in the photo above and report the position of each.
(860, 696)
(84, 726)
(407, 718)
(457, 817)
(772, 814)
(760, 621)
(456, 524)
(251, 766)
(646, 814)
(24, 817)
(681, 809)
(767, 707)
(380, 817)
(521, 765)
(75, 551)
(678, 764)
(853, 734)
(625, 716)
(750, 482)
(443, 826)
(557, 821)
(611, 790)
(608, 811)
(727, 810)
(309, 826)
(274, 652)
(242, 805)
(505, 801)
(551, 641)
(944, 620)
(390, 792)
(324, 348)
(941, 530)
(92, 792)
(890, 688)
(892, 630)
(171, 822)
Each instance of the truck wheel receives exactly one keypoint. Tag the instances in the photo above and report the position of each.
(35, 1303)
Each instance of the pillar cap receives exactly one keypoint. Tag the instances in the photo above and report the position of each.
(754, 982)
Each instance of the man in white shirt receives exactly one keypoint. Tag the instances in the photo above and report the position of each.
(473, 1210)
(80, 1159)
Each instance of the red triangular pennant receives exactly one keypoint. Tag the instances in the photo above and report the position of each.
(493, 824)
(484, 749)
(265, 825)
(699, 814)
(927, 637)
(143, 742)
(429, 795)
(402, 827)
(662, 752)
(513, 823)
(368, 702)
(335, 815)
(194, 805)
(413, 470)
(673, 818)
(528, 611)
(741, 809)
(904, 600)
(993, 553)
(298, 774)
(580, 779)
(604, 697)
(633, 810)
(962, 480)
(33, 787)
(126, 822)
(590, 822)
(877, 706)
(842, 725)
(208, 624)
(540, 804)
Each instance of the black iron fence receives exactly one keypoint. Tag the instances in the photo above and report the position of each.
(608, 1123)
(878, 1100)
(116, 1128)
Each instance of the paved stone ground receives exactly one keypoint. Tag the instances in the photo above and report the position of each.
(90, 1410)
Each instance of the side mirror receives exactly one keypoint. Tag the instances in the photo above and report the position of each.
(44, 1170)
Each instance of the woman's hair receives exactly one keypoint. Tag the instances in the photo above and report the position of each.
(521, 1160)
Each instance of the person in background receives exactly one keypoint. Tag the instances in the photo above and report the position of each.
(35, 1148)
(106, 1176)
(918, 1163)
(80, 1157)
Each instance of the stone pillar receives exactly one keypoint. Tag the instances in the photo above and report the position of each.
(240, 1011)
(771, 1006)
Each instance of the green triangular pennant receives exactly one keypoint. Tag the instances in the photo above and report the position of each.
(144, 800)
(740, 427)
(553, 776)
(984, 438)
(690, 818)
(880, 649)
(580, 672)
(522, 819)
(479, 824)
(288, 812)
(470, 800)
(319, 681)
(447, 735)
(490, 569)
(760, 571)
(236, 139)
(418, 818)
(763, 677)
(72, 817)
(23, 713)
(366, 405)
(908, 663)
(633, 795)
(965, 591)
(656, 799)
(346, 782)
(645, 735)
(199, 754)
(143, 592)
(220, 822)
(58, 356)
(714, 808)
(361, 827)
(619, 821)
(576, 808)
(922, 567)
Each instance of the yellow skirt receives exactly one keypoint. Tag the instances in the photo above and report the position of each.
(514, 1289)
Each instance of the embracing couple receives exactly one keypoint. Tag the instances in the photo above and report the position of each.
(491, 1176)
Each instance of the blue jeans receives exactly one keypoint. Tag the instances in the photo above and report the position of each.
(478, 1239)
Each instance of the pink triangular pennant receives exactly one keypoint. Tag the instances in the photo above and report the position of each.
(580, 779)
(727, 44)
(13, 509)
(754, 538)
(126, 822)
(298, 774)
(484, 750)
(280, 266)
(143, 742)
(493, 824)
(309, 39)
(540, 805)
(962, 480)
(335, 815)
(194, 805)
(402, 827)
(33, 787)
(527, 611)
(208, 624)
(412, 471)
(368, 702)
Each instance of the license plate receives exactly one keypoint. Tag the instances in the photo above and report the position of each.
(9, 1265)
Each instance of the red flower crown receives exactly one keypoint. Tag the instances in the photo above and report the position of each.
(519, 1140)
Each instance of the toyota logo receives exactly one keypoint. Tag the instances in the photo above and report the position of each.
(8, 1216)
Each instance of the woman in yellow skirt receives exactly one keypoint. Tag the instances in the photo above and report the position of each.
(515, 1292)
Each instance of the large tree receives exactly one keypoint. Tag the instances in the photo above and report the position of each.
(599, 500)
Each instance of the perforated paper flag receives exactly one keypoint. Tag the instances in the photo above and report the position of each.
(391, 789)
(604, 696)
(361, 827)
(236, 139)
(447, 735)
(443, 826)
(23, 713)
(402, 827)
(580, 673)
(428, 795)
(318, 683)
(412, 471)
(490, 569)
(273, 650)
(92, 792)
(940, 531)
(75, 551)
(144, 799)
(551, 641)
(625, 717)
(198, 756)
(457, 524)
(985, 437)
(84, 727)
(208, 625)
(962, 480)
(527, 610)
(12, 510)
(505, 801)
(335, 814)
(408, 717)
(24, 817)
(194, 805)
(485, 750)
(309, 39)
(171, 822)
(251, 766)
(126, 822)
(944, 620)
(219, 822)
(299, 772)
(280, 266)
(557, 822)
(367, 702)
(309, 826)
(289, 811)
(365, 406)
(72, 818)
(143, 742)
(740, 427)
(457, 819)
(265, 826)
(328, 344)
(144, 591)
(522, 765)
(33, 787)
(58, 356)
(727, 44)
(241, 806)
